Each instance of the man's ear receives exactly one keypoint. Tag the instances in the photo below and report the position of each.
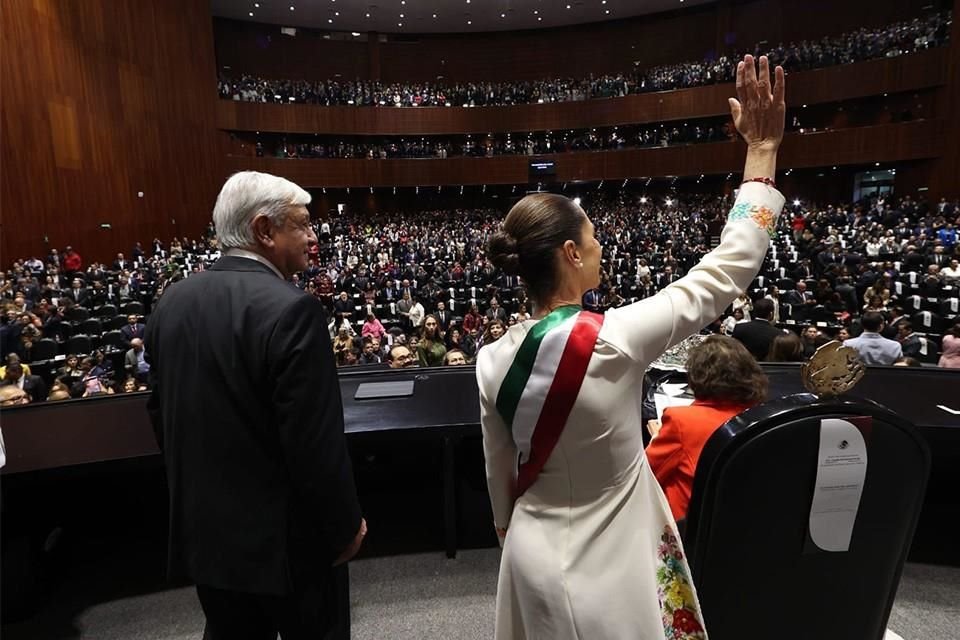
(263, 230)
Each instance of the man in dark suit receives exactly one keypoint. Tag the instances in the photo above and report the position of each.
(758, 334)
(443, 316)
(247, 410)
(133, 329)
(34, 386)
(78, 293)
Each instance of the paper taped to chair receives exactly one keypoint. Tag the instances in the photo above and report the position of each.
(841, 470)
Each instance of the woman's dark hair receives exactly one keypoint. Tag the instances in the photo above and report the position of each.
(786, 347)
(487, 338)
(721, 369)
(955, 330)
(532, 232)
(436, 333)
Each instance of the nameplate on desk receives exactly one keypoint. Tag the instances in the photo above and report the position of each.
(372, 390)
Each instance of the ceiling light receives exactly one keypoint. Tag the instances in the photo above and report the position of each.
(330, 20)
(399, 24)
(256, 5)
(540, 19)
(366, 16)
(607, 12)
(469, 21)
(355, 34)
(503, 15)
(251, 14)
(535, 12)
(401, 15)
(336, 13)
(291, 8)
(434, 16)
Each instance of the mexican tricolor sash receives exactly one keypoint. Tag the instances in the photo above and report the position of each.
(542, 384)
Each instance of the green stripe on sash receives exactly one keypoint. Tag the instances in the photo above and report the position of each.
(516, 379)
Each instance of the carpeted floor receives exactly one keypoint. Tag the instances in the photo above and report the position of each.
(406, 597)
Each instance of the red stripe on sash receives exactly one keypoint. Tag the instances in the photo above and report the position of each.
(561, 396)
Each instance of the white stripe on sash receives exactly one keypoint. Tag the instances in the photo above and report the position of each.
(538, 384)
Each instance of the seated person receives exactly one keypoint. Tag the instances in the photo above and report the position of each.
(400, 357)
(454, 357)
(59, 391)
(725, 380)
(13, 396)
(872, 347)
(786, 347)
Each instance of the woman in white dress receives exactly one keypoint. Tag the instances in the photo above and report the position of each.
(590, 550)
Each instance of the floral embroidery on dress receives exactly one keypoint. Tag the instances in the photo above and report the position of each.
(762, 216)
(678, 604)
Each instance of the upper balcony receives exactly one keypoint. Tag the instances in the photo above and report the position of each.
(912, 72)
(886, 143)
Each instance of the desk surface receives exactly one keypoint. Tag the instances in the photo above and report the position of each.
(64, 434)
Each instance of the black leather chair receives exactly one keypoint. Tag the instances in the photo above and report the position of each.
(90, 326)
(79, 344)
(45, 349)
(133, 308)
(77, 314)
(747, 532)
(113, 340)
(115, 322)
(105, 311)
(927, 322)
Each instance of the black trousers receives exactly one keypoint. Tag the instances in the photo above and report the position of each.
(319, 612)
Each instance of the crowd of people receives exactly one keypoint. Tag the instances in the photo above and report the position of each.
(409, 289)
(891, 40)
(654, 135)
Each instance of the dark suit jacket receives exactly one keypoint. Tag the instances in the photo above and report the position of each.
(247, 410)
(128, 333)
(35, 387)
(756, 336)
(443, 318)
(80, 297)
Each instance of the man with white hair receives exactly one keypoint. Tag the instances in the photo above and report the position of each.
(247, 411)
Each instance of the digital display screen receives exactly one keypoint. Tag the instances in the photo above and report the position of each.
(543, 168)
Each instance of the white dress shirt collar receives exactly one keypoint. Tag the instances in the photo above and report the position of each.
(250, 255)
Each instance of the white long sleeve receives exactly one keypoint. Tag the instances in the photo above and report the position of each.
(645, 329)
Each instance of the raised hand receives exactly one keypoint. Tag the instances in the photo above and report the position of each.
(759, 110)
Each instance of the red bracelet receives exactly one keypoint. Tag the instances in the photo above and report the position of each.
(767, 181)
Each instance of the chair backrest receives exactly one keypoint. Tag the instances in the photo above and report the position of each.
(106, 311)
(45, 349)
(928, 322)
(753, 558)
(60, 331)
(91, 326)
(116, 322)
(133, 307)
(913, 303)
(77, 314)
(79, 344)
(113, 340)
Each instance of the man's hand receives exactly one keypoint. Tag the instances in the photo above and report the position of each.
(759, 109)
(354, 546)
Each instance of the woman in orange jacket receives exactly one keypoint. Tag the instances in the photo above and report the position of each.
(725, 380)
